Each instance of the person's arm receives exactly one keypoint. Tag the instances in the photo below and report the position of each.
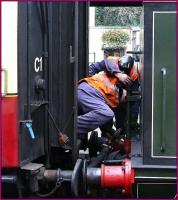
(96, 68)
(112, 66)
(107, 65)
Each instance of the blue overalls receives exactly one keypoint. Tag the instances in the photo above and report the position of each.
(94, 111)
(120, 111)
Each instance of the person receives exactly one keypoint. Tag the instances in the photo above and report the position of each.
(126, 66)
(111, 66)
(98, 96)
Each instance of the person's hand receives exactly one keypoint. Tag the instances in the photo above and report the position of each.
(124, 78)
(63, 138)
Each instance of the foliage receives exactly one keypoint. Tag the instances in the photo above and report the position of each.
(115, 38)
(118, 16)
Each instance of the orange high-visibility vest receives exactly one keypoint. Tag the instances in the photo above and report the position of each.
(133, 73)
(106, 85)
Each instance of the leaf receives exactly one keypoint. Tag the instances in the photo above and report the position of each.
(115, 38)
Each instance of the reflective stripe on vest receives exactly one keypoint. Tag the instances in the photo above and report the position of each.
(106, 85)
(133, 73)
(106, 81)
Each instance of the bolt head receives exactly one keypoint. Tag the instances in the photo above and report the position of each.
(123, 191)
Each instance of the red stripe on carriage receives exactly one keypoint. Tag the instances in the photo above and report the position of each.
(10, 157)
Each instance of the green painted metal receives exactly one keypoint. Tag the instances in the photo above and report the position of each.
(164, 85)
(152, 190)
(151, 182)
(155, 172)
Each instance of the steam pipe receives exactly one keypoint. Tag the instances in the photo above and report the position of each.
(53, 175)
(104, 152)
(107, 176)
(94, 176)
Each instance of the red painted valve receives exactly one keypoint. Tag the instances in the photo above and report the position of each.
(124, 145)
(118, 176)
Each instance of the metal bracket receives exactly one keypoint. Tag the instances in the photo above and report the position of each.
(35, 105)
(32, 166)
(72, 58)
(134, 98)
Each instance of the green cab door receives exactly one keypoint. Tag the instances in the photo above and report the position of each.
(159, 91)
(164, 84)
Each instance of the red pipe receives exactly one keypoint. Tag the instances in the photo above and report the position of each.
(118, 176)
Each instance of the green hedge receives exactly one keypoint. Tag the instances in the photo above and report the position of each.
(118, 16)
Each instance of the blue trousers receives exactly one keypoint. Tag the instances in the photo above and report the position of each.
(93, 110)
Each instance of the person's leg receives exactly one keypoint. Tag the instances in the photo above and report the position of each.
(107, 129)
(120, 115)
(93, 119)
(95, 109)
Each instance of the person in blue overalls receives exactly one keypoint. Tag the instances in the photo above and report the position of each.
(98, 96)
(129, 71)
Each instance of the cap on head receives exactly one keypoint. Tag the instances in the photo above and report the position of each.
(112, 62)
(115, 59)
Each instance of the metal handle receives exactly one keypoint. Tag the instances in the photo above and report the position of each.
(4, 93)
(29, 127)
(164, 73)
(72, 58)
